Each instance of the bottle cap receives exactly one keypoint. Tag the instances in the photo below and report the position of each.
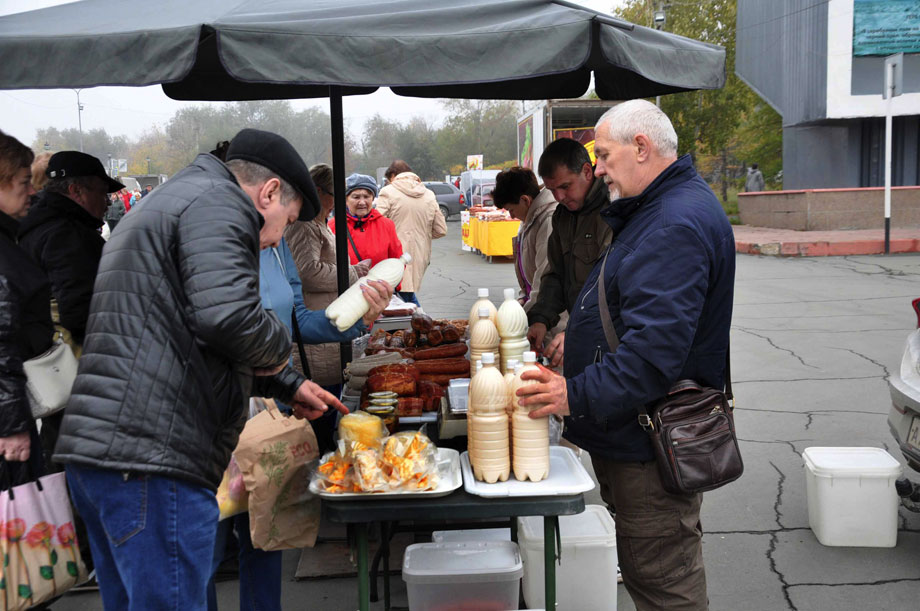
(483, 293)
(488, 358)
(518, 369)
(530, 357)
(483, 312)
(478, 365)
(406, 258)
(511, 364)
(509, 294)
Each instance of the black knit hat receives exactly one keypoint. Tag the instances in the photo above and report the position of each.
(275, 153)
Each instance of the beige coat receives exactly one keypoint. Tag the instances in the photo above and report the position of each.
(531, 242)
(414, 210)
(313, 248)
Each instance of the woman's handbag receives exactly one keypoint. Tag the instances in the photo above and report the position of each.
(49, 378)
(692, 428)
(41, 559)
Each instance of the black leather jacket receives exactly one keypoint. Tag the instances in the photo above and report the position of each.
(176, 327)
(25, 326)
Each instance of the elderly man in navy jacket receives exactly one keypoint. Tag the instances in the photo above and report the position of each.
(669, 280)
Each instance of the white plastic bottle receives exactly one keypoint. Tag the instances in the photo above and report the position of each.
(512, 327)
(351, 305)
(483, 301)
(510, 366)
(483, 337)
(489, 444)
(529, 436)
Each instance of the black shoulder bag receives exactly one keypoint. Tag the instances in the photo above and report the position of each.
(692, 429)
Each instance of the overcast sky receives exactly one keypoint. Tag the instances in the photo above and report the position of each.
(132, 110)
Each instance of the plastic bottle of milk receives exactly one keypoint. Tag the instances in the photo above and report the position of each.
(489, 446)
(512, 327)
(483, 336)
(529, 436)
(483, 301)
(351, 305)
(510, 366)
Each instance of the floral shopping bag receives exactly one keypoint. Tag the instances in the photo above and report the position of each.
(41, 559)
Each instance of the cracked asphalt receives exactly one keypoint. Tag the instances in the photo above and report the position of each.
(813, 342)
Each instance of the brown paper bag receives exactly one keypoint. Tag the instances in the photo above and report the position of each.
(277, 454)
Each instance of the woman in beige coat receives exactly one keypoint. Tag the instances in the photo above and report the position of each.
(414, 210)
(313, 248)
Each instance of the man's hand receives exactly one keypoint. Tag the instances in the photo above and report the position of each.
(555, 349)
(311, 400)
(550, 390)
(535, 334)
(16, 448)
(377, 293)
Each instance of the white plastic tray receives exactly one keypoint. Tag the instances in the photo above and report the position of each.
(448, 466)
(566, 476)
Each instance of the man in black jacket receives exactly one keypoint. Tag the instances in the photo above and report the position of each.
(177, 341)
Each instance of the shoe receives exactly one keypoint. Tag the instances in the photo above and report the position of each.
(619, 575)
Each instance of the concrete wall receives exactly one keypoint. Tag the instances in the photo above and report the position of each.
(823, 155)
(829, 209)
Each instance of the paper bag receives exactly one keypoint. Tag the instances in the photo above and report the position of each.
(277, 455)
(41, 559)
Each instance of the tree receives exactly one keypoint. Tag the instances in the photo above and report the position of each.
(472, 127)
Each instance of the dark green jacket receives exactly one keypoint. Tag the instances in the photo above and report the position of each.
(578, 240)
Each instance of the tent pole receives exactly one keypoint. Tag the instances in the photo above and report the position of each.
(338, 177)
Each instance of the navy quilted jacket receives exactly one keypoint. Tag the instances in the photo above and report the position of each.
(669, 280)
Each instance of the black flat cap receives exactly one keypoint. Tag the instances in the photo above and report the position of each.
(73, 164)
(275, 153)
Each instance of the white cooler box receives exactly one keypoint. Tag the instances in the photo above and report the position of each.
(851, 496)
(462, 575)
(587, 577)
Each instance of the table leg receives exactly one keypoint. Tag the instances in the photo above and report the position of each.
(550, 524)
(386, 533)
(363, 588)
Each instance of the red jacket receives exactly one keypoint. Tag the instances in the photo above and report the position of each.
(126, 197)
(374, 236)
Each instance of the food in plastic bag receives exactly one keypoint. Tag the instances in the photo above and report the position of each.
(369, 475)
(335, 474)
(411, 461)
(232, 497)
(362, 427)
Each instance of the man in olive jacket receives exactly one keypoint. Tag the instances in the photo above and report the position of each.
(176, 343)
(579, 237)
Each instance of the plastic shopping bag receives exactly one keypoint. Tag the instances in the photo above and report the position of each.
(277, 454)
(41, 559)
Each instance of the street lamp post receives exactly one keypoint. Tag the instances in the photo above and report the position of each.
(148, 165)
(110, 164)
(80, 118)
(660, 18)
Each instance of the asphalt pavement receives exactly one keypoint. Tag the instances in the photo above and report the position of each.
(813, 342)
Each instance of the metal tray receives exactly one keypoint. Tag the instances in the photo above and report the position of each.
(448, 466)
(567, 476)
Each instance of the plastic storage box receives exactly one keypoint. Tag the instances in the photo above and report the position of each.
(462, 575)
(586, 578)
(851, 496)
(475, 534)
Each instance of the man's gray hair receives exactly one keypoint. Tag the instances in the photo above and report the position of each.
(633, 117)
(62, 185)
(250, 173)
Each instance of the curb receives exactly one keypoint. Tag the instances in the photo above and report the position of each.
(826, 249)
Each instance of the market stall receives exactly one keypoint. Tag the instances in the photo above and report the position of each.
(489, 231)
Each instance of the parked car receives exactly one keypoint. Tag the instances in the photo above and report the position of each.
(450, 200)
(904, 385)
(483, 198)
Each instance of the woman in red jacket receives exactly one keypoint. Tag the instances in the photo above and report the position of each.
(370, 234)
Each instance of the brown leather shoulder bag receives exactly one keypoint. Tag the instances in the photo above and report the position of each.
(692, 428)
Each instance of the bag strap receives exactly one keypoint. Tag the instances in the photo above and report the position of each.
(352, 240)
(613, 341)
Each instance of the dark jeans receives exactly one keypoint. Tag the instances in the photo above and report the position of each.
(659, 537)
(408, 297)
(152, 538)
(260, 571)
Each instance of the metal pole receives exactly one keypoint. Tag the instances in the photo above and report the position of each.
(80, 118)
(889, 92)
(338, 177)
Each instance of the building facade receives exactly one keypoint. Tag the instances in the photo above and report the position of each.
(820, 64)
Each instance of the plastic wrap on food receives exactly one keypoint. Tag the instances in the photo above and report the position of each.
(411, 461)
(362, 427)
(335, 474)
(369, 474)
